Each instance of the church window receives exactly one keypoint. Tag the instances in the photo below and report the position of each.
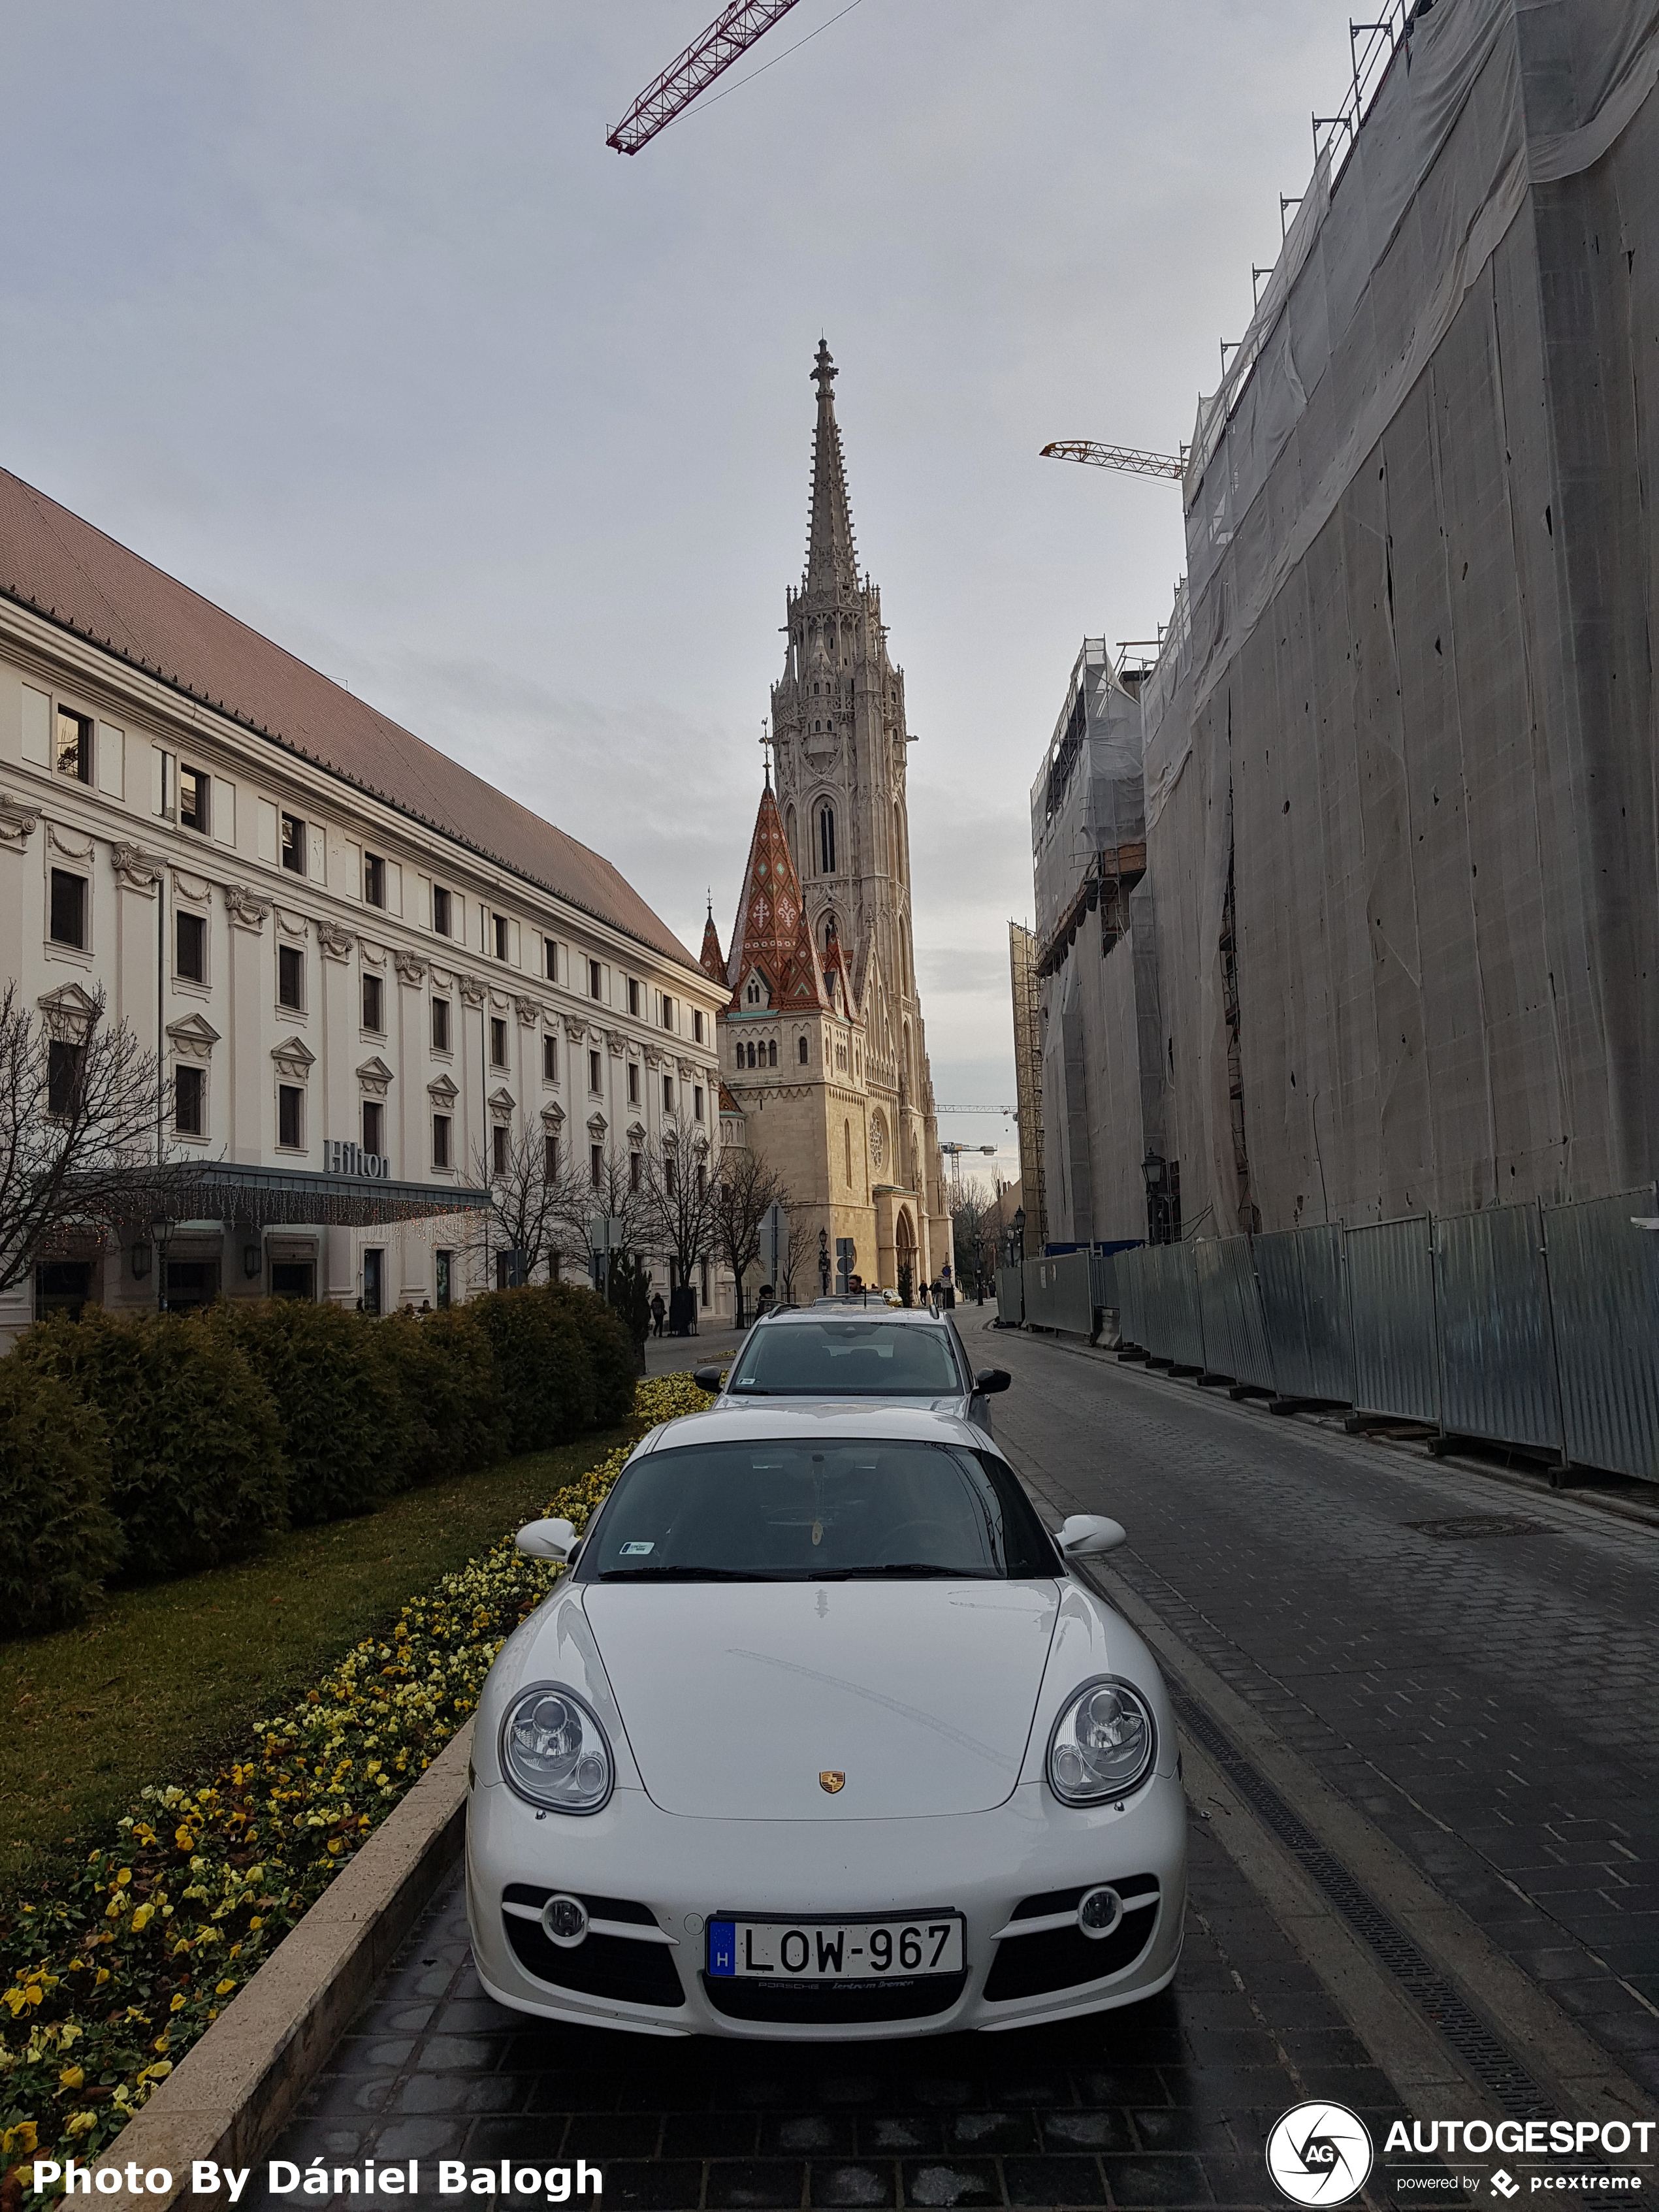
(803, 1052)
(772, 1053)
(827, 839)
(846, 1141)
(751, 1055)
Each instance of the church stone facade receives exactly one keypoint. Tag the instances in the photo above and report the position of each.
(823, 1053)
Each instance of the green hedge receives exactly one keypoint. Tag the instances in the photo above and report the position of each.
(161, 1444)
(195, 1469)
(58, 1538)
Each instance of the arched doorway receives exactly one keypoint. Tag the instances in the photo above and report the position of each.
(904, 1252)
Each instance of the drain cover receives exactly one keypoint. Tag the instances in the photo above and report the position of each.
(1461, 1527)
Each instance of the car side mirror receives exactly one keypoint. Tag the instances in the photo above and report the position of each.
(1087, 1535)
(707, 1378)
(548, 1539)
(992, 1379)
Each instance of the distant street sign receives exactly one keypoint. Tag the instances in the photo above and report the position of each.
(846, 1257)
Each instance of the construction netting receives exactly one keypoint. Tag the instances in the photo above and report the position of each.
(1086, 801)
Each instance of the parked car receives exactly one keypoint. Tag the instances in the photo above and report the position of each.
(822, 1736)
(906, 1355)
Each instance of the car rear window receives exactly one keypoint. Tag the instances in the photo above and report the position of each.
(827, 1510)
(847, 1358)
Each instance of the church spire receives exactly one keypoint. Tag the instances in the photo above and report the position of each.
(831, 557)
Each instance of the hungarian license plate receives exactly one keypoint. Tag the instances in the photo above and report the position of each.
(837, 1950)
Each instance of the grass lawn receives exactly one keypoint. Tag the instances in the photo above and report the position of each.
(167, 1676)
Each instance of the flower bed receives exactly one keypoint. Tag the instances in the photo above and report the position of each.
(106, 1985)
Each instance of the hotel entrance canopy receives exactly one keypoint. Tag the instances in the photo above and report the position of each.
(259, 1197)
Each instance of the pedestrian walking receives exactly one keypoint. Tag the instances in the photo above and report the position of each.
(659, 1313)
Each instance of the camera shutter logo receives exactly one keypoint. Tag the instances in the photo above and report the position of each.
(1319, 2154)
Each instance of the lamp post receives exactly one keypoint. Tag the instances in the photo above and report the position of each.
(1155, 1169)
(160, 1231)
(824, 1260)
(1019, 1235)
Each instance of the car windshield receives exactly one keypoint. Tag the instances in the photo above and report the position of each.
(848, 1358)
(822, 1511)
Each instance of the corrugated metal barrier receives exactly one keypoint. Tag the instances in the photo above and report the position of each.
(1058, 1293)
(1396, 1369)
(1526, 1325)
(1304, 1308)
(1497, 1374)
(1603, 1274)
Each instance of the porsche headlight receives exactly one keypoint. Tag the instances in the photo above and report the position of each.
(554, 1751)
(1104, 1744)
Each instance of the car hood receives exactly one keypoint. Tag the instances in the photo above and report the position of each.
(736, 1697)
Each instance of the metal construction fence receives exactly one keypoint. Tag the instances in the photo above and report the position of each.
(1534, 1325)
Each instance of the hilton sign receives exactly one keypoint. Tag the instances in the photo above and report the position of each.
(341, 1158)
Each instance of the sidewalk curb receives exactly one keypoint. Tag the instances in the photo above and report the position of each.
(229, 2097)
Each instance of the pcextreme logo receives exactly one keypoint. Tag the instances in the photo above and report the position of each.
(1319, 2154)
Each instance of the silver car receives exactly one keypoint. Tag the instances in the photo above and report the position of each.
(892, 1355)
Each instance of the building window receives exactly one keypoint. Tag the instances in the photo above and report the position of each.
(374, 1004)
(441, 1140)
(440, 910)
(194, 787)
(826, 840)
(290, 1116)
(374, 1125)
(702, 1275)
(440, 1025)
(751, 1055)
(68, 909)
(668, 1094)
(846, 1141)
(374, 879)
(190, 947)
(497, 1042)
(551, 959)
(633, 996)
(772, 1052)
(593, 1071)
(291, 977)
(64, 1065)
(374, 1268)
(498, 931)
(801, 1051)
(550, 1058)
(595, 1165)
(635, 1170)
(446, 1260)
(669, 1174)
(293, 845)
(190, 1101)
(74, 748)
(498, 1148)
(696, 1026)
(549, 1156)
(697, 1103)
(702, 1179)
(595, 979)
(668, 1013)
(633, 1084)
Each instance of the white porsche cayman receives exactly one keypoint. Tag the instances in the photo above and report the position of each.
(821, 1737)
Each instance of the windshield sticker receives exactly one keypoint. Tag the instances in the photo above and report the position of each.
(632, 1551)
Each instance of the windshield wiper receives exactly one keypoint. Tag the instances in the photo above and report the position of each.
(682, 1574)
(919, 1568)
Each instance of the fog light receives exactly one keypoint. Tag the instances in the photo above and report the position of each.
(564, 1922)
(1100, 1912)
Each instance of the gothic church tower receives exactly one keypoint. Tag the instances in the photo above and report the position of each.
(840, 812)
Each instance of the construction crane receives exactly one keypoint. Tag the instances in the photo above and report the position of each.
(729, 37)
(954, 1153)
(1131, 459)
(971, 1109)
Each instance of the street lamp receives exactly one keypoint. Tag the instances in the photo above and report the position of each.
(823, 1259)
(160, 1231)
(1155, 1169)
(1020, 1233)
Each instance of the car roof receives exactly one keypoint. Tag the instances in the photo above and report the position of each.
(782, 1316)
(815, 1420)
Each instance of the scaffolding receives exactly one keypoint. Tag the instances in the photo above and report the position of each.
(1027, 1078)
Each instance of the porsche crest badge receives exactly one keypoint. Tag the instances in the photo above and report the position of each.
(832, 1780)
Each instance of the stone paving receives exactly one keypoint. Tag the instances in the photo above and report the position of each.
(1167, 2104)
(1487, 1700)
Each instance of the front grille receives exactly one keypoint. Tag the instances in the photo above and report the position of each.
(620, 1966)
(1063, 1958)
(833, 2004)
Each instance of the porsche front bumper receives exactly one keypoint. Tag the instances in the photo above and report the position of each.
(652, 1880)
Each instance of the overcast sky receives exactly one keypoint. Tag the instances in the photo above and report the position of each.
(346, 314)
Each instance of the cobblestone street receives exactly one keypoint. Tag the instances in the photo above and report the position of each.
(1471, 1694)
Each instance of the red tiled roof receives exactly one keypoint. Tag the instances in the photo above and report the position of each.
(771, 932)
(65, 569)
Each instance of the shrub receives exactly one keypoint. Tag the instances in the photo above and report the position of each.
(609, 1347)
(196, 1471)
(443, 1365)
(336, 1398)
(546, 1374)
(58, 1536)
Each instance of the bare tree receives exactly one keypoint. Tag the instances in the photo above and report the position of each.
(586, 1199)
(744, 1189)
(81, 1109)
(792, 1258)
(971, 1205)
(530, 1188)
(679, 1196)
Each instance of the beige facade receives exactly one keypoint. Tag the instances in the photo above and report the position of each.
(363, 960)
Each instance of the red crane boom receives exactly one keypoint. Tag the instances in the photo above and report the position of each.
(731, 33)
